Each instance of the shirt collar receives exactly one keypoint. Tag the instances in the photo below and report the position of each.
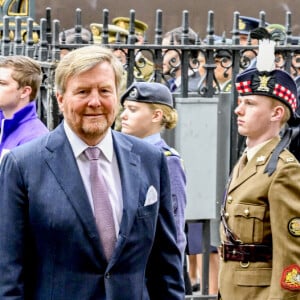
(153, 139)
(178, 79)
(78, 145)
(252, 151)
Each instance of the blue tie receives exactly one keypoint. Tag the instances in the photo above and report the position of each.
(172, 84)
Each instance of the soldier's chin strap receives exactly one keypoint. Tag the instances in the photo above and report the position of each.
(285, 141)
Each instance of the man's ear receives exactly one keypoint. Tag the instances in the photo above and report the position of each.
(26, 91)
(60, 101)
(278, 112)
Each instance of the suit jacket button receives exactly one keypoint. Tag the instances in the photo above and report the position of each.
(107, 275)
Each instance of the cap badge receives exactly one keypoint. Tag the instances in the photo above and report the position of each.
(290, 279)
(242, 24)
(263, 83)
(294, 226)
(133, 93)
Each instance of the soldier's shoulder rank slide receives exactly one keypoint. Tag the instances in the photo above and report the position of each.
(290, 279)
(294, 226)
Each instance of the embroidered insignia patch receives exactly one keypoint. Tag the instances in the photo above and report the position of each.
(294, 226)
(290, 279)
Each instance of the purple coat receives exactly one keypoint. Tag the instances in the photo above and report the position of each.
(21, 128)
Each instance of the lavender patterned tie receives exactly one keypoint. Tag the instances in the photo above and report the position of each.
(102, 206)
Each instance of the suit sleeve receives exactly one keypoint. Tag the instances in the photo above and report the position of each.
(165, 271)
(12, 230)
(284, 200)
(178, 192)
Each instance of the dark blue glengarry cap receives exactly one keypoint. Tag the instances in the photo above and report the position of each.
(148, 93)
(277, 84)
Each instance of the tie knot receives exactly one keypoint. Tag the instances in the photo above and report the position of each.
(244, 158)
(243, 162)
(92, 153)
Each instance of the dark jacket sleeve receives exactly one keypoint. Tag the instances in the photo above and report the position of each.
(164, 272)
(12, 230)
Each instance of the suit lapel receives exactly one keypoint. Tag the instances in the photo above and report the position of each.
(129, 166)
(248, 172)
(58, 154)
(60, 159)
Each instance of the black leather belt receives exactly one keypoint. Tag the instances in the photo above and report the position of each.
(245, 252)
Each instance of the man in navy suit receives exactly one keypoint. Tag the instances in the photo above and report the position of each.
(50, 247)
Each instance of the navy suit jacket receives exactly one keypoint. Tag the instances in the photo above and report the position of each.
(49, 244)
(193, 84)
